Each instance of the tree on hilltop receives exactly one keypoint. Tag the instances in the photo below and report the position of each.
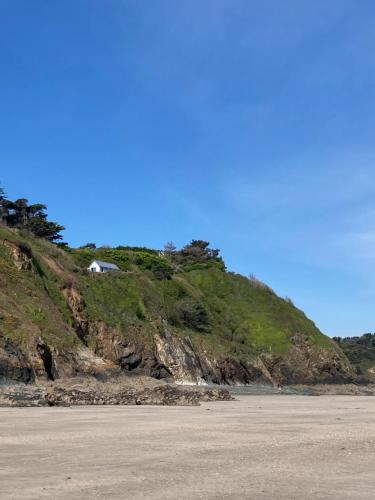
(34, 218)
(169, 248)
(199, 249)
(198, 254)
(43, 228)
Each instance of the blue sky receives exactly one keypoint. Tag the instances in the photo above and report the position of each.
(246, 123)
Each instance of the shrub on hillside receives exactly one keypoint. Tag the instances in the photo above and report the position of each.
(197, 255)
(192, 314)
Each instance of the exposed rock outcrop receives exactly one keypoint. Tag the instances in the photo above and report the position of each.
(14, 364)
(179, 355)
(133, 391)
(111, 344)
(42, 363)
(188, 365)
(21, 255)
(304, 363)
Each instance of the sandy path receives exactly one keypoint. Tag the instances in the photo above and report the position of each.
(259, 447)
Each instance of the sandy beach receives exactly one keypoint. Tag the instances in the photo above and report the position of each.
(267, 447)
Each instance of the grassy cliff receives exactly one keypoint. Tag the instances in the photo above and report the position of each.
(49, 299)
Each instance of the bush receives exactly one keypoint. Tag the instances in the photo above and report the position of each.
(198, 255)
(141, 310)
(159, 266)
(192, 314)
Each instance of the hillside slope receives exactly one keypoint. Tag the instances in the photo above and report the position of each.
(361, 353)
(194, 323)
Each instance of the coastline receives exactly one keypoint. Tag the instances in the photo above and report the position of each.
(142, 390)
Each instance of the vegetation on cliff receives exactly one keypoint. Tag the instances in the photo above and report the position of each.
(360, 352)
(221, 324)
(32, 218)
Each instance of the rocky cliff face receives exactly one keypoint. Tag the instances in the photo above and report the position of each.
(189, 365)
(48, 330)
(169, 357)
(304, 363)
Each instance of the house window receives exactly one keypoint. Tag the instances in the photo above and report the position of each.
(93, 269)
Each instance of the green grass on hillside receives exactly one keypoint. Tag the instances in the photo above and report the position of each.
(361, 352)
(31, 303)
(126, 258)
(252, 314)
(225, 313)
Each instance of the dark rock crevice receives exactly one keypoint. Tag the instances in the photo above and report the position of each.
(46, 356)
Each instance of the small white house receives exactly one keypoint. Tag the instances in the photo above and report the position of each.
(99, 266)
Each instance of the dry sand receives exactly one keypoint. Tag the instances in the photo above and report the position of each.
(258, 447)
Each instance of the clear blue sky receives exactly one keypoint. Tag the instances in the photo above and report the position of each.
(247, 123)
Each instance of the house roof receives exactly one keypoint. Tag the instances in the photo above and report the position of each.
(107, 265)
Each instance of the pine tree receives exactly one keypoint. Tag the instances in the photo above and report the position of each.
(31, 217)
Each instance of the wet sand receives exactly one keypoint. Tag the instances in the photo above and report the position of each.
(258, 447)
